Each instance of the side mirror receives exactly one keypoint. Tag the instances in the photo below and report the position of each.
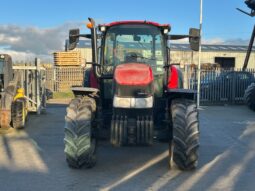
(73, 38)
(194, 38)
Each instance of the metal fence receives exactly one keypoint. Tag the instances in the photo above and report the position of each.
(32, 78)
(218, 86)
(222, 86)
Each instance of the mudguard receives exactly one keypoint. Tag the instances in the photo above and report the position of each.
(83, 91)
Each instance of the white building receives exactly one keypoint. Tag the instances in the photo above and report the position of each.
(225, 56)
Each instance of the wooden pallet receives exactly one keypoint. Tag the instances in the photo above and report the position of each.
(72, 58)
(69, 74)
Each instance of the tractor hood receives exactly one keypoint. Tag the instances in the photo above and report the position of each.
(133, 74)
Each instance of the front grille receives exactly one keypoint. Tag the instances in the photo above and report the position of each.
(133, 91)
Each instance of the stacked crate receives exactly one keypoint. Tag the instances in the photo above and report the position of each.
(72, 58)
(68, 71)
(68, 77)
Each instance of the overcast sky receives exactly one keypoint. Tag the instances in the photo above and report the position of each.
(37, 28)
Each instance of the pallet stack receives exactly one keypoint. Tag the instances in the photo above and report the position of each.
(68, 70)
(72, 58)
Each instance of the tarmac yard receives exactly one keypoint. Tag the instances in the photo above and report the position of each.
(33, 158)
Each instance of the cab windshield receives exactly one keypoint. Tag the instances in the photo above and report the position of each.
(136, 44)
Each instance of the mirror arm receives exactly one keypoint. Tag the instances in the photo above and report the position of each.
(179, 37)
(89, 36)
(85, 36)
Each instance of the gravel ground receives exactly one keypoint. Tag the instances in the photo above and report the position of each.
(33, 158)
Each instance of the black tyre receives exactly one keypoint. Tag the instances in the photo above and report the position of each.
(185, 134)
(249, 96)
(80, 141)
(18, 113)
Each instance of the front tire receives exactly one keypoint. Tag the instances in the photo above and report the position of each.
(249, 96)
(18, 113)
(80, 141)
(185, 134)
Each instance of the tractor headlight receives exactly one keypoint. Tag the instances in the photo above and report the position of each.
(166, 31)
(102, 28)
(121, 102)
(139, 103)
(143, 102)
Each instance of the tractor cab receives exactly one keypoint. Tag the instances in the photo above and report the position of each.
(130, 41)
(134, 42)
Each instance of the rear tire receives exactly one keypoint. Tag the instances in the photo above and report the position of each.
(249, 96)
(185, 134)
(18, 113)
(80, 141)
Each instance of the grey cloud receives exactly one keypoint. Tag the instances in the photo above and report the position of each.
(34, 40)
(26, 42)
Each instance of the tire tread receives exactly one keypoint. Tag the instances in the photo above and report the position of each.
(185, 133)
(249, 96)
(79, 143)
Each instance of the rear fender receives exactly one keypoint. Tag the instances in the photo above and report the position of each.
(84, 91)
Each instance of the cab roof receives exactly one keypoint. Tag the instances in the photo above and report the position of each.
(136, 22)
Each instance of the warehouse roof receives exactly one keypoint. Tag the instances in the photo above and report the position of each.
(184, 47)
(231, 48)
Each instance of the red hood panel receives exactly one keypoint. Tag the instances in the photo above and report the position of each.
(133, 74)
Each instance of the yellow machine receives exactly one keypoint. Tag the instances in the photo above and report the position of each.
(13, 108)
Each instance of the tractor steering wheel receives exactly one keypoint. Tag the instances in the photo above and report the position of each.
(132, 56)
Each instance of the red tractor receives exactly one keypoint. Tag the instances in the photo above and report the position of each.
(133, 93)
